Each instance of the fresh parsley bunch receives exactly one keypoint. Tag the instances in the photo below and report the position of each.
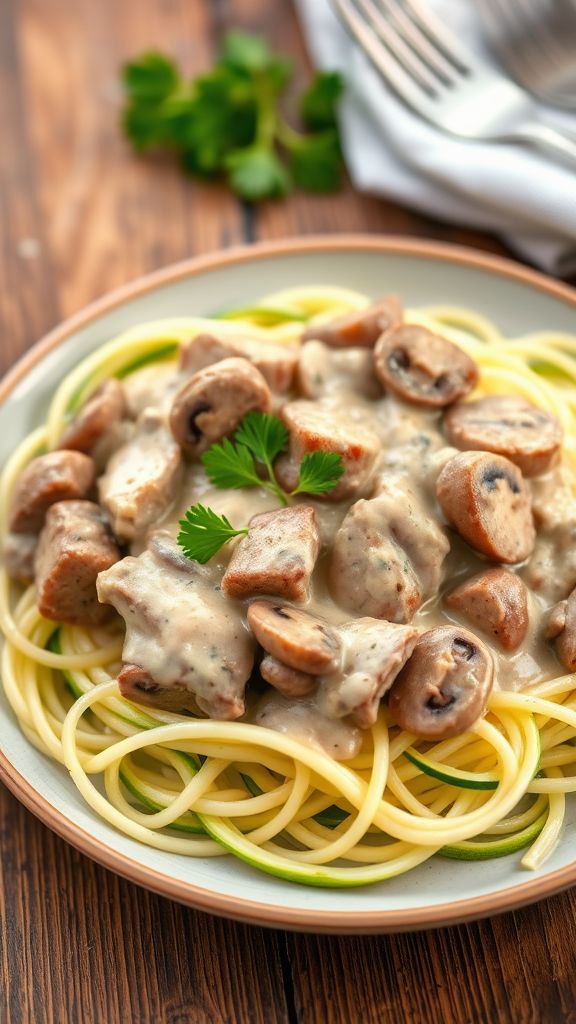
(247, 461)
(229, 120)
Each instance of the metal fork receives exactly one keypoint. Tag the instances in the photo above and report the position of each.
(536, 42)
(429, 69)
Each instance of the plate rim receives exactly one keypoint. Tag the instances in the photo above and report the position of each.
(198, 897)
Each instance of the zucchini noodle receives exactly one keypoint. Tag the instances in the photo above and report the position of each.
(206, 788)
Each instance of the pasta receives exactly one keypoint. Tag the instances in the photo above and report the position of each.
(204, 788)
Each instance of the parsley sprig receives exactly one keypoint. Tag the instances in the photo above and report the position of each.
(229, 120)
(203, 532)
(248, 461)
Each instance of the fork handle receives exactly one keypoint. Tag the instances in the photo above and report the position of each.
(548, 138)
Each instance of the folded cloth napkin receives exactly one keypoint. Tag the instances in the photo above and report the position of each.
(513, 189)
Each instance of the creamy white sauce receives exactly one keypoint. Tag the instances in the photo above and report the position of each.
(413, 453)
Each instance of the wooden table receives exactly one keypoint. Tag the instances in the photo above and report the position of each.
(79, 216)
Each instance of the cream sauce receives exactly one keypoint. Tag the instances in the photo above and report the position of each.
(413, 453)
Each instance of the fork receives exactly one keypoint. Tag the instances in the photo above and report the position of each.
(536, 42)
(437, 77)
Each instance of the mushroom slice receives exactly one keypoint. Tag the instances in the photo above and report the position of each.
(315, 427)
(105, 407)
(212, 402)
(362, 327)
(374, 653)
(288, 681)
(506, 425)
(444, 686)
(486, 499)
(561, 627)
(497, 602)
(277, 556)
(296, 638)
(137, 685)
(424, 368)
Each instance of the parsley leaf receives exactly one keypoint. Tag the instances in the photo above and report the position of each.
(150, 78)
(319, 473)
(317, 162)
(230, 465)
(265, 436)
(203, 532)
(228, 121)
(319, 102)
(257, 173)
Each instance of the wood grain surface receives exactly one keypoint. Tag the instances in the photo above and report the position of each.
(79, 215)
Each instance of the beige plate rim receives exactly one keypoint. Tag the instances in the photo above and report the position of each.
(296, 919)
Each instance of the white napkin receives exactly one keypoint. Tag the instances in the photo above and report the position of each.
(512, 189)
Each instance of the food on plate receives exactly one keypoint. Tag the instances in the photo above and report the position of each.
(304, 592)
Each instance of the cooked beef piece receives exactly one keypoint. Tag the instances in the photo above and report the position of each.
(106, 406)
(276, 363)
(57, 476)
(296, 638)
(18, 555)
(142, 478)
(75, 545)
(277, 557)
(506, 425)
(212, 403)
(288, 681)
(424, 368)
(374, 653)
(387, 556)
(444, 686)
(185, 638)
(496, 601)
(561, 627)
(314, 427)
(324, 371)
(361, 327)
(486, 499)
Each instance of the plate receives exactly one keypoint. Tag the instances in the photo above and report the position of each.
(439, 892)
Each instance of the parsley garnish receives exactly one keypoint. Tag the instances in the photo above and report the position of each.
(229, 122)
(203, 532)
(247, 461)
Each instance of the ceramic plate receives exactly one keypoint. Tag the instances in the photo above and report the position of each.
(440, 891)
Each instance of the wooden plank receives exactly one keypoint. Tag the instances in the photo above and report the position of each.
(79, 944)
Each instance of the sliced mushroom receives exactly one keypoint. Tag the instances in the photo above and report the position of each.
(137, 685)
(296, 638)
(374, 653)
(316, 427)
(105, 407)
(561, 627)
(362, 327)
(286, 680)
(211, 404)
(424, 368)
(497, 602)
(57, 476)
(506, 425)
(486, 499)
(444, 687)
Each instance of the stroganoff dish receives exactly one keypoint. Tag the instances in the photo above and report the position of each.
(298, 583)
